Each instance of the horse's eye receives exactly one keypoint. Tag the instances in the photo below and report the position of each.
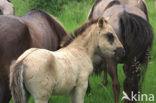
(110, 37)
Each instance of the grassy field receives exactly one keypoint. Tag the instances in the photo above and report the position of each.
(73, 15)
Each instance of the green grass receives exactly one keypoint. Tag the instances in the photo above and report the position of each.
(73, 15)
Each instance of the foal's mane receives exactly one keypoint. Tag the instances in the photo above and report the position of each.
(80, 30)
(53, 22)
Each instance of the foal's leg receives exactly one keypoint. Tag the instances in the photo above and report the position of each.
(39, 100)
(41, 96)
(112, 70)
(78, 93)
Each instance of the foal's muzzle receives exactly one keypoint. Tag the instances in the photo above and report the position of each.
(119, 53)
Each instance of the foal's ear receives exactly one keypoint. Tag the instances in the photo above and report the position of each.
(102, 21)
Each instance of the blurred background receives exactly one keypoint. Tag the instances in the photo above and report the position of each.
(73, 13)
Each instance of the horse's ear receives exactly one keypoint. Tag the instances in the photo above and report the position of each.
(107, 18)
(102, 21)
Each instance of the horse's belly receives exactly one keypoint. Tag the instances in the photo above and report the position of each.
(66, 81)
(64, 85)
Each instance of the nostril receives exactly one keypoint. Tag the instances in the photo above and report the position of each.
(119, 52)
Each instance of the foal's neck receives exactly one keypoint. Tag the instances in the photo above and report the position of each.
(87, 41)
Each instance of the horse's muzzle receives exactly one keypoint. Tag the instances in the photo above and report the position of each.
(119, 53)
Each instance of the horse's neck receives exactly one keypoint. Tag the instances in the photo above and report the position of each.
(88, 41)
(61, 33)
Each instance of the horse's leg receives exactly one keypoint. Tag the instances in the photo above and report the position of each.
(131, 83)
(41, 96)
(5, 95)
(105, 81)
(40, 100)
(78, 93)
(88, 88)
(112, 70)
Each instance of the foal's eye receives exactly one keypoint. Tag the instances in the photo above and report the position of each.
(110, 37)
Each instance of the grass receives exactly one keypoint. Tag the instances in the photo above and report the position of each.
(73, 15)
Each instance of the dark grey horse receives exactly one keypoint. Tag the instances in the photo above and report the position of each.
(133, 29)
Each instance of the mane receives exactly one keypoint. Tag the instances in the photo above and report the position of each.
(80, 30)
(91, 12)
(137, 37)
(53, 22)
(116, 2)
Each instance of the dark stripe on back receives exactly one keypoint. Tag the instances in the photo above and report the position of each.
(145, 10)
(111, 4)
(91, 13)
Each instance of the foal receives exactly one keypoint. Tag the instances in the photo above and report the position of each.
(41, 72)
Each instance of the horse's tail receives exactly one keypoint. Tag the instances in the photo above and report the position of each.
(137, 36)
(137, 39)
(16, 82)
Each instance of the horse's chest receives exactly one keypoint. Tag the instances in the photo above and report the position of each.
(69, 71)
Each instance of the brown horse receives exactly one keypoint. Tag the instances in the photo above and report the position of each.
(6, 7)
(133, 29)
(17, 34)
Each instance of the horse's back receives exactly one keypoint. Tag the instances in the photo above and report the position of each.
(41, 31)
(39, 72)
(98, 8)
(14, 38)
(135, 3)
(117, 10)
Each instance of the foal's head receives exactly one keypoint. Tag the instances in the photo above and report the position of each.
(109, 43)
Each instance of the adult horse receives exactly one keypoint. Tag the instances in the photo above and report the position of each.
(41, 72)
(134, 31)
(6, 7)
(101, 5)
(17, 34)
